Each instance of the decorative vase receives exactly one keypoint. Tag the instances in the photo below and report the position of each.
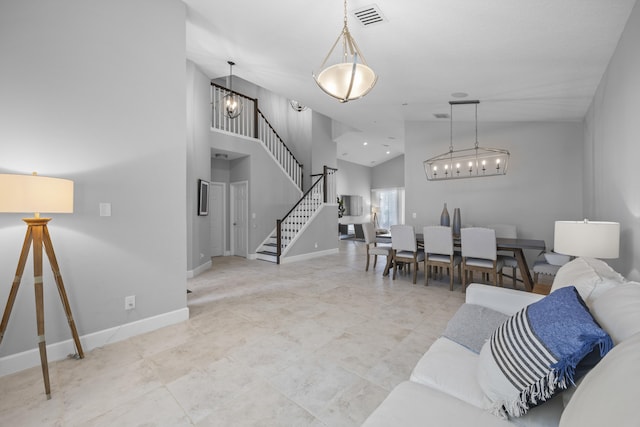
(444, 216)
(456, 221)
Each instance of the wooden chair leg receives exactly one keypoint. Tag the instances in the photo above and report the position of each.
(375, 261)
(451, 270)
(427, 269)
(367, 267)
(514, 277)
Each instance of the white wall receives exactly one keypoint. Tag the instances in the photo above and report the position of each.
(543, 183)
(95, 92)
(612, 149)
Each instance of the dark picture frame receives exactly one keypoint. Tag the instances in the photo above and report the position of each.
(203, 197)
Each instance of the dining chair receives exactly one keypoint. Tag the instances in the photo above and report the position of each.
(439, 253)
(479, 253)
(507, 231)
(405, 249)
(373, 248)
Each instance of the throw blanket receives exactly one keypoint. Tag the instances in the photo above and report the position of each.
(538, 350)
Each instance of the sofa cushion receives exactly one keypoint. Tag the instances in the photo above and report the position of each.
(472, 325)
(536, 352)
(414, 405)
(618, 311)
(589, 276)
(608, 394)
(452, 369)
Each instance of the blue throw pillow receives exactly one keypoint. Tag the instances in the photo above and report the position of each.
(536, 352)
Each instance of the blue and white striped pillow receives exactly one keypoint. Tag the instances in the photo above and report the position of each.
(536, 352)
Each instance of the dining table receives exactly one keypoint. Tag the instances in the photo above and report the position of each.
(516, 246)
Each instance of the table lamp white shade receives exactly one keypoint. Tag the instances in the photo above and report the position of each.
(592, 239)
(35, 194)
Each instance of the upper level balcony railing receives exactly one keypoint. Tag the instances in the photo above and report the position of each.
(252, 123)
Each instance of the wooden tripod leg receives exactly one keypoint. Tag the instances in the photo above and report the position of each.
(16, 282)
(37, 281)
(48, 246)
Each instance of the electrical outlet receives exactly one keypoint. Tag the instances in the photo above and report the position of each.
(130, 302)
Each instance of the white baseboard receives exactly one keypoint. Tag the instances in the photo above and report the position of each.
(311, 255)
(199, 269)
(60, 350)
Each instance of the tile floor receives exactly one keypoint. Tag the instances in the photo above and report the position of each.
(312, 343)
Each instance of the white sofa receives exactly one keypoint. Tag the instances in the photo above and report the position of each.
(444, 390)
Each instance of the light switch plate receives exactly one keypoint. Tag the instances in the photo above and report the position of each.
(105, 209)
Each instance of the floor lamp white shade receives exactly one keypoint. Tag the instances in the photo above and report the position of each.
(35, 194)
(592, 239)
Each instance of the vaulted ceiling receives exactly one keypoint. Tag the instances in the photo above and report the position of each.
(524, 60)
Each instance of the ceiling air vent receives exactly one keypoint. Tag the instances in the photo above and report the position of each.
(369, 15)
(441, 115)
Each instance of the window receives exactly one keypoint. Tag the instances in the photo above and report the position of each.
(388, 206)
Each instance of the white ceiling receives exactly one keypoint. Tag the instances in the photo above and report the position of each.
(524, 60)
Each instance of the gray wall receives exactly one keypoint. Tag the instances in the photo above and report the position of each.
(87, 95)
(355, 179)
(543, 183)
(324, 150)
(389, 174)
(198, 166)
(612, 150)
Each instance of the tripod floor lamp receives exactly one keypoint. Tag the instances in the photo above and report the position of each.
(32, 193)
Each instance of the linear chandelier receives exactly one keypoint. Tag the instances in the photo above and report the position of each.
(467, 163)
(349, 77)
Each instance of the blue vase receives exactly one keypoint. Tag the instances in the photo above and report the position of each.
(444, 216)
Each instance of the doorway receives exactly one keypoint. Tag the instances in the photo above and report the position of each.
(239, 196)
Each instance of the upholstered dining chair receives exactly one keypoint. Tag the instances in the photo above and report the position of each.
(405, 249)
(507, 231)
(439, 253)
(373, 248)
(479, 253)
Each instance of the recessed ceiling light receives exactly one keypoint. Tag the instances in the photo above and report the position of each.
(365, 143)
(388, 152)
(459, 94)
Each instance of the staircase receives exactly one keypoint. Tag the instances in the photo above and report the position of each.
(290, 228)
(252, 123)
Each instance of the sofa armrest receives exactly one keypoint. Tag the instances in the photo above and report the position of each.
(507, 301)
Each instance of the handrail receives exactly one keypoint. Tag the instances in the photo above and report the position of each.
(279, 138)
(323, 179)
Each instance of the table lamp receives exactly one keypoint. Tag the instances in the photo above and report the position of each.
(592, 239)
(38, 194)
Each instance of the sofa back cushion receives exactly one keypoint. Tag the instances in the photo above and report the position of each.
(608, 395)
(618, 311)
(590, 276)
